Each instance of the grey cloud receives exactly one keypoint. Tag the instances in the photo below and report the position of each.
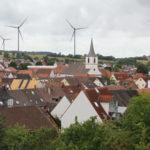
(115, 25)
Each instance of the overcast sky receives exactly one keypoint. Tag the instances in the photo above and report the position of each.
(119, 27)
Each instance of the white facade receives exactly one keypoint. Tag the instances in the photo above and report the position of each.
(148, 84)
(106, 107)
(61, 107)
(121, 109)
(140, 83)
(113, 78)
(98, 83)
(91, 62)
(80, 108)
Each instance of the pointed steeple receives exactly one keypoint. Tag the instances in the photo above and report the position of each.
(91, 52)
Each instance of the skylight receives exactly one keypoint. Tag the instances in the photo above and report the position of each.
(32, 92)
(17, 102)
(96, 104)
(96, 90)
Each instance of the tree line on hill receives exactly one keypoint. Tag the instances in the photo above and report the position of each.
(131, 132)
(50, 58)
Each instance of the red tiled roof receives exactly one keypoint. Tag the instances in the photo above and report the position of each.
(106, 98)
(143, 90)
(93, 97)
(60, 68)
(29, 72)
(11, 69)
(105, 72)
(115, 87)
(121, 75)
(137, 75)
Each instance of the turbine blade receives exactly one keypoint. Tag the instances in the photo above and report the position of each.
(20, 34)
(81, 28)
(1, 37)
(72, 36)
(70, 24)
(23, 22)
(12, 27)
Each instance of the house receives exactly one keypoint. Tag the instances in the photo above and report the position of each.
(128, 83)
(119, 76)
(115, 101)
(31, 117)
(18, 98)
(61, 107)
(28, 72)
(83, 107)
(130, 69)
(122, 99)
(140, 82)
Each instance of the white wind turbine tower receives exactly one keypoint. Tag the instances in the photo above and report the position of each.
(19, 32)
(74, 34)
(3, 42)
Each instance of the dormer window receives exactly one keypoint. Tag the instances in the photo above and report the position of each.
(10, 102)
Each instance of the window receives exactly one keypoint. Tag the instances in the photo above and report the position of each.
(41, 99)
(10, 102)
(88, 60)
(94, 60)
(17, 102)
(96, 104)
(96, 90)
(1, 103)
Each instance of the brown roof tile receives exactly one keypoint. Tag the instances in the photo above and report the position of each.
(30, 116)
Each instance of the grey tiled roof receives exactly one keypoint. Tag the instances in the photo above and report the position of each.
(73, 69)
(91, 52)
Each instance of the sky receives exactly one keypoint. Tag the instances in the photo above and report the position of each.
(120, 28)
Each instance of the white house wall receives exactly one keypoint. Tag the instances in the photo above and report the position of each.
(121, 109)
(61, 107)
(106, 107)
(82, 108)
(140, 83)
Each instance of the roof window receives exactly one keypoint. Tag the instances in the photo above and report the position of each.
(96, 104)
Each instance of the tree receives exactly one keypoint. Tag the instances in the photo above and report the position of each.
(24, 66)
(6, 55)
(137, 120)
(16, 138)
(18, 55)
(44, 138)
(2, 131)
(141, 68)
(13, 64)
(39, 63)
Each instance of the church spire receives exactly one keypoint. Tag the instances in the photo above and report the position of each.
(91, 52)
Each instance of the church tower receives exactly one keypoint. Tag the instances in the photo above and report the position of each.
(91, 61)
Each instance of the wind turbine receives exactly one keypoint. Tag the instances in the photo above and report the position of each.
(74, 34)
(19, 31)
(3, 42)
